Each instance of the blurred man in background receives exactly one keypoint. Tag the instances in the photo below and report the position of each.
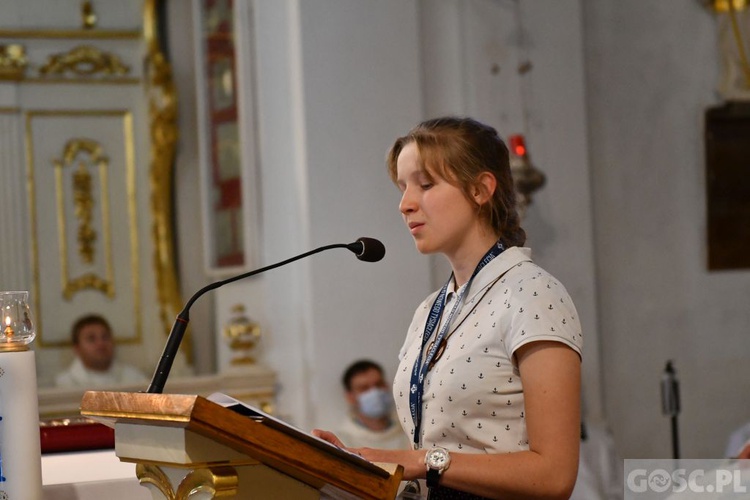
(370, 421)
(95, 365)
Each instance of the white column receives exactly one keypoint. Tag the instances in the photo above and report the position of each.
(14, 210)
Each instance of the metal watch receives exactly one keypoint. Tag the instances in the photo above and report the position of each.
(437, 461)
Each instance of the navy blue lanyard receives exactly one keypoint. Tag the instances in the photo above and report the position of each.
(416, 390)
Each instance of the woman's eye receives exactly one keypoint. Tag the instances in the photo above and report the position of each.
(427, 185)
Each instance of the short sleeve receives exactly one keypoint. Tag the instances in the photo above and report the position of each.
(542, 310)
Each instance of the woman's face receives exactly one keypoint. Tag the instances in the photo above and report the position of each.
(436, 212)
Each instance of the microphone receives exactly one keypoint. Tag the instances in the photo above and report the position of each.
(366, 249)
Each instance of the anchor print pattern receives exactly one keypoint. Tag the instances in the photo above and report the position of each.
(475, 384)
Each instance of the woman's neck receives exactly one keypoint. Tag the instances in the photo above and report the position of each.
(465, 260)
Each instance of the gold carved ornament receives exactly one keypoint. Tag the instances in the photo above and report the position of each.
(13, 61)
(88, 16)
(162, 107)
(84, 203)
(218, 482)
(84, 61)
(242, 335)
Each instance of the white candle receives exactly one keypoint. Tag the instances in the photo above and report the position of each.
(19, 428)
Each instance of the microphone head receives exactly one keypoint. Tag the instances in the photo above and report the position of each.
(367, 249)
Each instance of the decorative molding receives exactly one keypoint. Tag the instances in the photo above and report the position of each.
(14, 64)
(84, 61)
(87, 81)
(151, 475)
(13, 61)
(82, 34)
(87, 280)
(153, 111)
(88, 16)
(242, 334)
(162, 102)
(74, 150)
(83, 198)
(216, 482)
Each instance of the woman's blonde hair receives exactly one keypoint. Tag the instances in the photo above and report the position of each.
(459, 150)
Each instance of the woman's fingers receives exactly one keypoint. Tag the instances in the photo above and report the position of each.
(328, 436)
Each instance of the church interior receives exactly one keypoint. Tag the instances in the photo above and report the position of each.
(151, 148)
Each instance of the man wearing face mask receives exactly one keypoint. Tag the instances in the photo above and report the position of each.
(370, 421)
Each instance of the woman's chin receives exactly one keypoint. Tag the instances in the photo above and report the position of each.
(423, 247)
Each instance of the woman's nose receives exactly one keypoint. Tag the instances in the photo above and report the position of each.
(408, 203)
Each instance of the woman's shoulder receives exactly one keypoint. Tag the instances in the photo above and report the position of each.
(541, 308)
(525, 270)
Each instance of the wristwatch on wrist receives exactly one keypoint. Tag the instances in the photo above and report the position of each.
(437, 461)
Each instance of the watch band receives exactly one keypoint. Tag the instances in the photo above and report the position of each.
(433, 477)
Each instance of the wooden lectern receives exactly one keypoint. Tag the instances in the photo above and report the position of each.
(183, 445)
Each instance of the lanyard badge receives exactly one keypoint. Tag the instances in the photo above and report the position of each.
(420, 369)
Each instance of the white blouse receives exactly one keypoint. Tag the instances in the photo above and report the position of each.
(473, 396)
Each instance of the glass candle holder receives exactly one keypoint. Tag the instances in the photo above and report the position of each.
(16, 326)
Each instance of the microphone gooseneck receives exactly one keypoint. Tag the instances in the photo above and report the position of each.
(366, 249)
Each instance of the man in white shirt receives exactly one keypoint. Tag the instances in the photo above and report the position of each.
(370, 422)
(95, 365)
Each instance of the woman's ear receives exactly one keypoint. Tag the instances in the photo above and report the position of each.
(484, 188)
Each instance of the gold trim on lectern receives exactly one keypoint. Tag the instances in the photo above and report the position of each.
(221, 481)
(153, 475)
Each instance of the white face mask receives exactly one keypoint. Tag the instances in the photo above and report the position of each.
(375, 403)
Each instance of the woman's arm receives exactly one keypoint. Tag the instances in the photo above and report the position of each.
(551, 374)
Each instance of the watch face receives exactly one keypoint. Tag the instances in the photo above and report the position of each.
(437, 458)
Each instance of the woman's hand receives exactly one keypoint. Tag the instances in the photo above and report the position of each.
(412, 461)
(328, 436)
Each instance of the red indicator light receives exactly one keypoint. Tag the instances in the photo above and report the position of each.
(517, 145)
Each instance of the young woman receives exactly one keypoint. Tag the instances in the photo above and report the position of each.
(488, 386)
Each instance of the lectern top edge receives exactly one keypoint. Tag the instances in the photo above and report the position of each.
(108, 407)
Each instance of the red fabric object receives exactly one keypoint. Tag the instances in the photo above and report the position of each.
(76, 437)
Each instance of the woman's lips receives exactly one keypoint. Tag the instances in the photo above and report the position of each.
(414, 227)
